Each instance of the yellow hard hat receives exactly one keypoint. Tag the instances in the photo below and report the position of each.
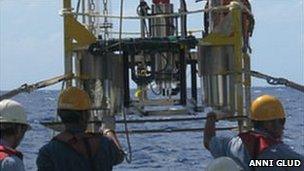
(12, 112)
(266, 108)
(74, 98)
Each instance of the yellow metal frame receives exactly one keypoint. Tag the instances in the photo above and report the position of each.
(76, 36)
(236, 40)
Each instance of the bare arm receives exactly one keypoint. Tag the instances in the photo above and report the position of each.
(108, 130)
(209, 131)
(112, 135)
(119, 153)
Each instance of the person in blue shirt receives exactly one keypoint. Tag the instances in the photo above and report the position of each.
(263, 142)
(13, 125)
(74, 149)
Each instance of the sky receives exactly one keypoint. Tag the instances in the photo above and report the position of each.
(31, 39)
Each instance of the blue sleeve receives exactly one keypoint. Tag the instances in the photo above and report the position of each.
(218, 146)
(12, 163)
(44, 161)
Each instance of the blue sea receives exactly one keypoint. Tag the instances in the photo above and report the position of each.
(159, 151)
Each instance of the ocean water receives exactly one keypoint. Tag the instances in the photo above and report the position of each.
(160, 151)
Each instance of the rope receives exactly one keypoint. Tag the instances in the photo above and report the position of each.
(77, 8)
(129, 157)
(129, 154)
(41, 84)
(278, 81)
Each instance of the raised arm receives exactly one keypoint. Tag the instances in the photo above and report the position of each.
(209, 131)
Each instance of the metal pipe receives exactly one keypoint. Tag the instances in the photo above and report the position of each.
(83, 11)
(247, 82)
(78, 82)
(140, 121)
(193, 80)
(176, 26)
(126, 79)
(180, 119)
(162, 120)
(173, 130)
(142, 23)
(183, 81)
(238, 63)
(60, 127)
(183, 8)
(68, 62)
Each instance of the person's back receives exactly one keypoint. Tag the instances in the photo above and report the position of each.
(61, 156)
(74, 149)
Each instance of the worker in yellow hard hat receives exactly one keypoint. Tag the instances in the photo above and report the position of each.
(263, 142)
(74, 149)
(13, 125)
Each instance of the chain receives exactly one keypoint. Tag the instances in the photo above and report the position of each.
(105, 21)
(29, 88)
(278, 81)
(77, 9)
(92, 19)
(92, 5)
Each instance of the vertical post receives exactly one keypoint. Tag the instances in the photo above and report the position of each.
(126, 79)
(238, 62)
(176, 25)
(83, 11)
(193, 81)
(142, 25)
(247, 84)
(183, 19)
(78, 80)
(68, 47)
(183, 83)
